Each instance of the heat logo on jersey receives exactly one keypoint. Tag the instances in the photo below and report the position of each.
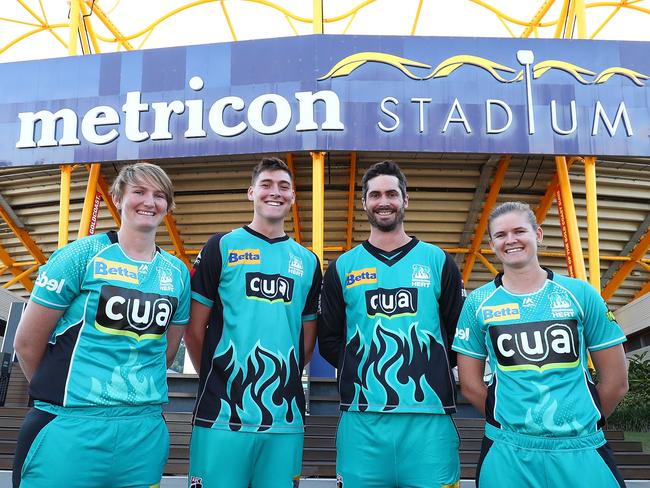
(538, 346)
(134, 314)
(243, 256)
(358, 277)
(115, 271)
(391, 302)
(500, 313)
(271, 288)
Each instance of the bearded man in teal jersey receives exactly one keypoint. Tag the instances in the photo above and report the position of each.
(252, 329)
(389, 309)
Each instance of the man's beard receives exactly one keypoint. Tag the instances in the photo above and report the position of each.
(386, 227)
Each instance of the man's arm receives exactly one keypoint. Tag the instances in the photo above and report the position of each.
(612, 384)
(174, 336)
(309, 336)
(33, 334)
(195, 332)
(331, 322)
(472, 385)
(452, 297)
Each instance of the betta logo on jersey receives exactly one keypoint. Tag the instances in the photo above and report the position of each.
(358, 277)
(243, 256)
(539, 346)
(115, 271)
(392, 302)
(500, 313)
(134, 314)
(271, 288)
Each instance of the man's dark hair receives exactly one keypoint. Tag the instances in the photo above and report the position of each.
(387, 167)
(270, 164)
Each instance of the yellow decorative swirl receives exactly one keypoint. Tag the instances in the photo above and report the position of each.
(540, 68)
(450, 64)
(350, 63)
(635, 76)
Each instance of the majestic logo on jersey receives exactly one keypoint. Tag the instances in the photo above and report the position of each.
(528, 302)
(134, 314)
(560, 305)
(295, 265)
(358, 277)
(421, 276)
(500, 313)
(271, 288)
(339, 481)
(243, 256)
(540, 346)
(391, 302)
(196, 482)
(50, 284)
(115, 271)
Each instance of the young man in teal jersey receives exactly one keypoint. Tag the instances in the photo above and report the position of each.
(255, 298)
(388, 315)
(103, 321)
(544, 413)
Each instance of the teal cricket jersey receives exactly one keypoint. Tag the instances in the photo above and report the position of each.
(537, 345)
(108, 348)
(387, 322)
(260, 291)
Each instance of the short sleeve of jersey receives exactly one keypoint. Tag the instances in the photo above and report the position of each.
(470, 337)
(182, 315)
(310, 311)
(601, 329)
(207, 272)
(59, 280)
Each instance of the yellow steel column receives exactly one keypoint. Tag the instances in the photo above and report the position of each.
(318, 17)
(64, 204)
(352, 180)
(75, 12)
(581, 18)
(102, 187)
(89, 200)
(637, 253)
(481, 227)
(547, 200)
(318, 203)
(592, 222)
(569, 209)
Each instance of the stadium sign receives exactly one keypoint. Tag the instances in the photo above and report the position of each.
(330, 93)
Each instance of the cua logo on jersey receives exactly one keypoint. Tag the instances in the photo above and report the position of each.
(50, 284)
(358, 277)
(134, 314)
(115, 271)
(243, 256)
(539, 346)
(500, 313)
(271, 288)
(391, 302)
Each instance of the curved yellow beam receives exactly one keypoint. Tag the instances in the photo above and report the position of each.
(31, 33)
(618, 4)
(500, 14)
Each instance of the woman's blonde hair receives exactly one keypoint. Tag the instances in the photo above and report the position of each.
(139, 173)
(508, 207)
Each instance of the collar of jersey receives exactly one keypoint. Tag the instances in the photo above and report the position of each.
(498, 280)
(112, 236)
(264, 238)
(390, 258)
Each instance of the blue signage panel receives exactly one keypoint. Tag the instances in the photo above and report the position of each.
(519, 96)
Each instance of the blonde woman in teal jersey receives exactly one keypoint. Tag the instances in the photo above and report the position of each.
(544, 414)
(103, 322)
